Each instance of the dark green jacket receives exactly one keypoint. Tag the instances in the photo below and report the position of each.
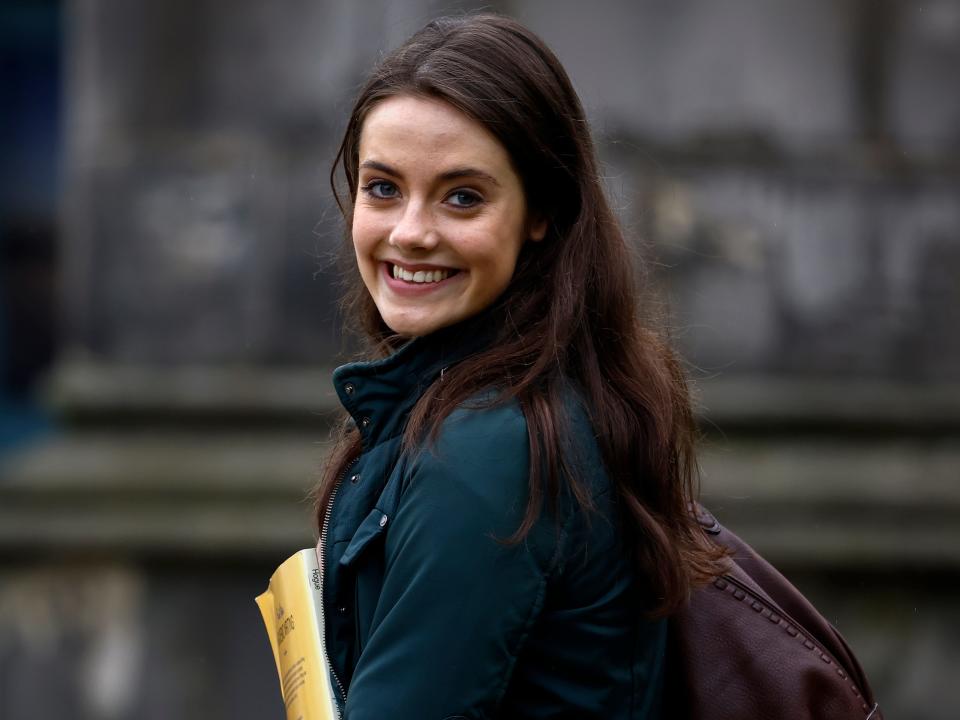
(428, 616)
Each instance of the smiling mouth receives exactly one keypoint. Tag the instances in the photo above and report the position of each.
(420, 277)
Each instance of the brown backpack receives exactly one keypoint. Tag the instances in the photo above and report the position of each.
(749, 646)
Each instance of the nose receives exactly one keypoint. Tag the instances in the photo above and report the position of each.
(414, 229)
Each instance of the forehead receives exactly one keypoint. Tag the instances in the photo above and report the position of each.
(409, 129)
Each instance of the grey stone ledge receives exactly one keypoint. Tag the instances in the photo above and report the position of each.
(164, 464)
(812, 502)
(80, 389)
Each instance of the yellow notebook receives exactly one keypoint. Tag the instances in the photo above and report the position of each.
(292, 609)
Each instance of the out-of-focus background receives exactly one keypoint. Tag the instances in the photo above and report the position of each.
(167, 313)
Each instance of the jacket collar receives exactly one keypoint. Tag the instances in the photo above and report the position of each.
(379, 394)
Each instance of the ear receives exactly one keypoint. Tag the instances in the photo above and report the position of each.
(536, 228)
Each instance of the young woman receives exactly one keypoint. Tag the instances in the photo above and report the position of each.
(504, 522)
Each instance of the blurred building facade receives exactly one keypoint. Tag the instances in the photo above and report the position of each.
(792, 166)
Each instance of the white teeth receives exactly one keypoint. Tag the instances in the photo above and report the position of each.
(420, 276)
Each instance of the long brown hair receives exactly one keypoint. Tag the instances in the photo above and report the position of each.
(571, 312)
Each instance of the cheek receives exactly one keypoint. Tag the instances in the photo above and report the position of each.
(495, 245)
(363, 234)
(499, 253)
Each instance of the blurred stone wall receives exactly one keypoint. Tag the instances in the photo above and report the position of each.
(792, 166)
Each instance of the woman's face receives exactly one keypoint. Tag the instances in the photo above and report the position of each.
(440, 214)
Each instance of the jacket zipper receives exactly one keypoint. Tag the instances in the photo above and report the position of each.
(323, 546)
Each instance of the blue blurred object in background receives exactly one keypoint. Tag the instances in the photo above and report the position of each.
(30, 96)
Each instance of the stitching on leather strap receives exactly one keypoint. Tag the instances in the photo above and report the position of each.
(738, 591)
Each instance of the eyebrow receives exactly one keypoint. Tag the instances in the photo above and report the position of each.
(452, 174)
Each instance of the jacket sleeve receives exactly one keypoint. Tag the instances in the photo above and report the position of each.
(456, 602)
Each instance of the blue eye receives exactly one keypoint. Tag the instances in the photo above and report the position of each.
(464, 199)
(381, 189)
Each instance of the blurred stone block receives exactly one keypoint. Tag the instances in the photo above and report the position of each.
(676, 71)
(924, 102)
(97, 639)
(197, 220)
(803, 273)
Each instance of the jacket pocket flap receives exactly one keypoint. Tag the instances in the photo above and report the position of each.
(372, 527)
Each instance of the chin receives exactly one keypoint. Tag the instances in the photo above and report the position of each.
(415, 327)
(405, 327)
